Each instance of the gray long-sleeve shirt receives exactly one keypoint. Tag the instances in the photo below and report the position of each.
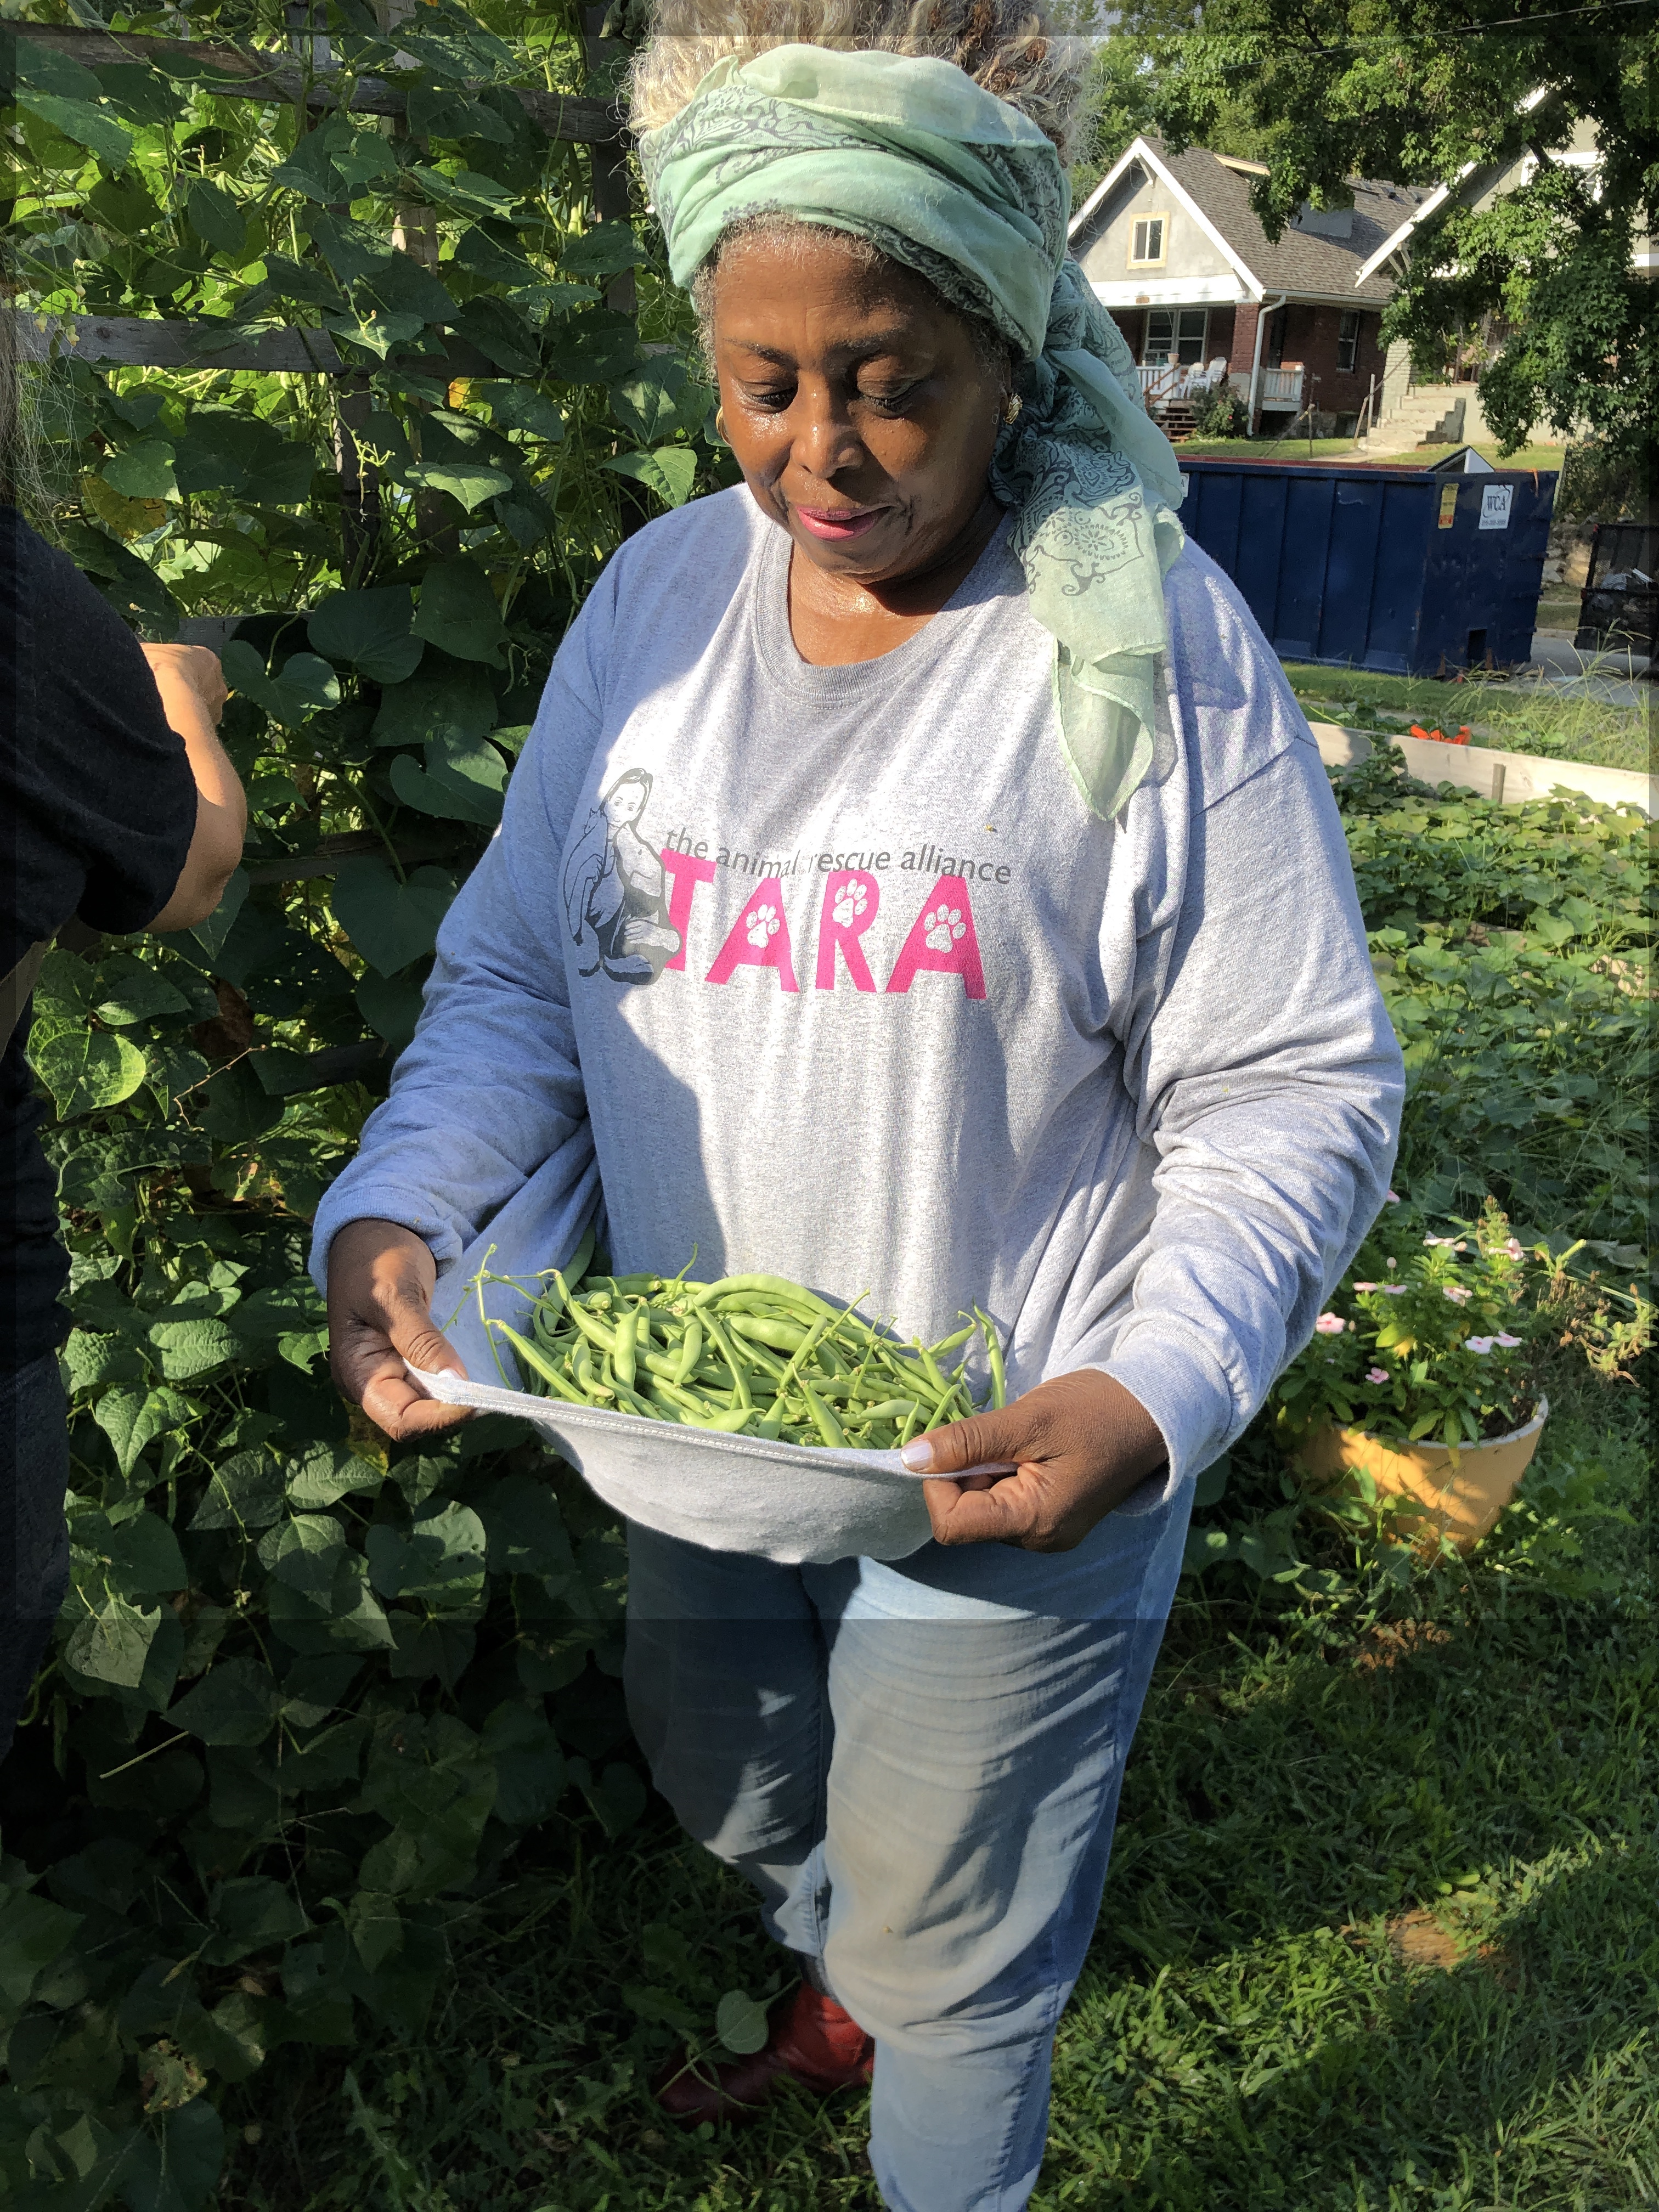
(830, 973)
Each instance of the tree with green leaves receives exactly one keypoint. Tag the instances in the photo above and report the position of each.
(1538, 116)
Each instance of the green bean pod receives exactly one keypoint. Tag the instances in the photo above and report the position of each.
(621, 1351)
(994, 1355)
(532, 1357)
(690, 1350)
(591, 1328)
(772, 1285)
(723, 1345)
(828, 1426)
(761, 1328)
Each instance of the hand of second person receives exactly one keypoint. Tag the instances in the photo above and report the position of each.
(1079, 1445)
(196, 666)
(380, 1278)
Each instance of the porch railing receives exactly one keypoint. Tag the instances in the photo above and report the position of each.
(1164, 381)
(1282, 387)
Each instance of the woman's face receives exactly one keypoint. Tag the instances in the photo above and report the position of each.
(857, 406)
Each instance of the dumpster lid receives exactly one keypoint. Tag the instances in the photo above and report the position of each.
(1462, 461)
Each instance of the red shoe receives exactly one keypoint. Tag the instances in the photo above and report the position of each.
(813, 2042)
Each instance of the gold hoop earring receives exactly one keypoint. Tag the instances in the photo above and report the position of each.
(1011, 407)
(719, 425)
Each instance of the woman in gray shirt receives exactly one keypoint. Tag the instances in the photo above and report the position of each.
(919, 883)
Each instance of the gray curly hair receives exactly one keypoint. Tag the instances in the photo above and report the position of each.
(1005, 45)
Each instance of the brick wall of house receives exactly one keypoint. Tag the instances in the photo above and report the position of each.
(1310, 335)
(1132, 321)
(1243, 348)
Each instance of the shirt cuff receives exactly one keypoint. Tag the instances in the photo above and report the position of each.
(1186, 1393)
(380, 1202)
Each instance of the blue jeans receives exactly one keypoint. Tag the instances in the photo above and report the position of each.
(34, 1553)
(916, 1763)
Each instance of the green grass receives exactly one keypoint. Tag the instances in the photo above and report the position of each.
(1513, 716)
(1381, 1931)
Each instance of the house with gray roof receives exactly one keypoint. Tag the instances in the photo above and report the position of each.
(1173, 249)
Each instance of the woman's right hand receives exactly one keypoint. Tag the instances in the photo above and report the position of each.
(380, 1280)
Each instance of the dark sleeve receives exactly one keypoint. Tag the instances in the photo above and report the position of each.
(100, 788)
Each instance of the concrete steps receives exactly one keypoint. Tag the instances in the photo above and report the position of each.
(1429, 414)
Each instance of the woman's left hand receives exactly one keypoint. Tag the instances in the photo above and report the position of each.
(1079, 1445)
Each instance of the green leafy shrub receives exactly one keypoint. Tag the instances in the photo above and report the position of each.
(1221, 414)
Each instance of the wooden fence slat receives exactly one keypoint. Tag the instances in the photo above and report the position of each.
(157, 342)
(240, 75)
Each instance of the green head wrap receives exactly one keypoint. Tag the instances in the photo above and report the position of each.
(942, 176)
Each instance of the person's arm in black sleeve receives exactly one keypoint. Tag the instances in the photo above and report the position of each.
(120, 817)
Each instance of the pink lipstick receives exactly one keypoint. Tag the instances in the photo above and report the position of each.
(837, 524)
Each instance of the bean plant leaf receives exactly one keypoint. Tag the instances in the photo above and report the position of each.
(24, 66)
(518, 407)
(245, 1492)
(143, 470)
(140, 996)
(112, 1644)
(659, 399)
(460, 782)
(370, 630)
(455, 703)
(223, 449)
(211, 933)
(403, 287)
(377, 1928)
(34, 1931)
(529, 1775)
(439, 1558)
(176, 2168)
(458, 612)
(391, 923)
(470, 483)
(235, 1702)
(88, 127)
(217, 217)
(605, 251)
(325, 1474)
(741, 2024)
(670, 471)
(391, 1005)
(86, 1070)
(306, 684)
(498, 330)
(144, 1557)
(133, 1419)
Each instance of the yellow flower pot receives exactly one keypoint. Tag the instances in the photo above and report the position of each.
(1461, 1500)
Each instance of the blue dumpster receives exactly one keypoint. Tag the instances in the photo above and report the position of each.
(1412, 572)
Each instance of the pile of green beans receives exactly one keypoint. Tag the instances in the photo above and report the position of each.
(752, 1355)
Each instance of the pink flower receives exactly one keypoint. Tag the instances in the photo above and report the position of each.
(1393, 1199)
(1509, 1343)
(1457, 1293)
(1330, 1325)
(1513, 1249)
(1392, 1289)
(1377, 1374)
(1364, 1286)
(1479, 1343)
